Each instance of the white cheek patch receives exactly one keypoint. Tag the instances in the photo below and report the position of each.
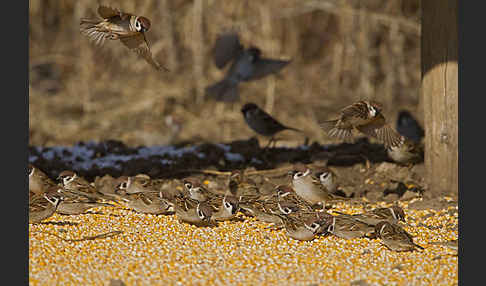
(307, 172)
(393, 213)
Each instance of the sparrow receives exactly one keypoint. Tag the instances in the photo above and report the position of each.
(407, 153)
(107, 186)
(261, 122)
(349, 228)
(228, 210)
(306, 187)
(117, 25)
(198, 192)
(409, 127)
(140, 183)
(367, 118)
(304, 230)
(264, 210)
(242, 187)
(77, 185)
(44, 205)
(149, 203)
(39, 182)
(199, 214)
(326, 177)
(395, 237)
(393, 214)
(287, 196)
(247, 65)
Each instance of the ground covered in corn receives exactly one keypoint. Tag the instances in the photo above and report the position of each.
(139, 249)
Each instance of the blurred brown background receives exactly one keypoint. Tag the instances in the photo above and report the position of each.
(341, 51)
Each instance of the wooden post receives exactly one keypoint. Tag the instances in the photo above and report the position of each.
(439, 94)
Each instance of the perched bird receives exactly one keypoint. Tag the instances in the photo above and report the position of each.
(304, 230)
(287, 195)
(309, 189)
(228, 210)
(247, 65)
(149, 203)
(42, 206)
(198, 192)
(107, 185)
(326, 177)
(407, 153)
(242, 187)
(409, 127)
(395, 237)
(393, 214)
(261, 122)
(349, 228)
(366, 117)
(39, 182)
(265, 210)
(78, 186)
(195, 213)
(117, 25)
(140, 183)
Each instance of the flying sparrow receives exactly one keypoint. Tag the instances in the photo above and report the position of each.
(261, 122)
(409, 127)
(247, 65)
(117, 25)
(349, 228)
(393, 214)
(42, 206)
(366, 117)
(407, 153)
(395, 237)
(326, 177)
(39, 182)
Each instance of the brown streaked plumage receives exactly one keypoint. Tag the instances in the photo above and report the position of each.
(117, 25)
(366, 117)
(395, 237)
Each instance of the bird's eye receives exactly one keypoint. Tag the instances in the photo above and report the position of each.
(138, 26)
(31, 171)
(287, 210)
(123, 185)
(188, 186)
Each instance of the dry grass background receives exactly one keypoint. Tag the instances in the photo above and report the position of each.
(341, 51)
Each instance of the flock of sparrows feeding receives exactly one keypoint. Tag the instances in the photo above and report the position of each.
(300, 207)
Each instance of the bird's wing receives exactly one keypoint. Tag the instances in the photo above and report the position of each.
(138, 43)
(227, 47)
(264, 67)
(108, 12)
(382, 131)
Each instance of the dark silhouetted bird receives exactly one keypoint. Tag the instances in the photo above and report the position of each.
(247, 65)
(261, 122)
(409, 127)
